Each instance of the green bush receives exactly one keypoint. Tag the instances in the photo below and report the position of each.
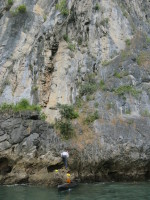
(64, 124)
(66, 128)
(128, 42)
(66, 38)
(10, 2)
(62, 7)
(24, 103)
(6, 107)
(97, 7)
(21, 8)
(67, 111)
(92, 117)
(88, 88)
(117, 75)
(71, 46)
(20, 106)
(126, 89)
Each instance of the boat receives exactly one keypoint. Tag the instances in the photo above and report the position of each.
(67, 186)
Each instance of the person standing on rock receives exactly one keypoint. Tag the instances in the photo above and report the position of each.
(65, 156)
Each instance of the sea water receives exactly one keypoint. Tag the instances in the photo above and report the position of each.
(97, 191)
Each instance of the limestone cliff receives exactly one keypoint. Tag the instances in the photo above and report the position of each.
(30, 151)
(99, 52)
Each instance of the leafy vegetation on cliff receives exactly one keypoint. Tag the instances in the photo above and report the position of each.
(20, 9)
(90, 85)
(126, 89)
(92, 117)
(64, 124)
(10, 2)
(62, 7)
(88, 88)
(20, 106)
(97, 6)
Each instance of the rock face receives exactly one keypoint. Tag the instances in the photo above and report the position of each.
(36, 62)
(99, 54)
(30, 151)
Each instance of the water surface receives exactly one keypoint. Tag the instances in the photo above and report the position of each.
(99, 191)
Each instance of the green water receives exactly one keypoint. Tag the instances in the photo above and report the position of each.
(100, 191)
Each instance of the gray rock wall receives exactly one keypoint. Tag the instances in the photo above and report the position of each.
(30, 151)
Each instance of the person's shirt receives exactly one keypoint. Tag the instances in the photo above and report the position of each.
(65, 153)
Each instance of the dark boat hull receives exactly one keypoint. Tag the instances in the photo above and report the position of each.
(67, 186)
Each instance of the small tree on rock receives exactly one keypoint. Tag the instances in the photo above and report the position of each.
(64, 124)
